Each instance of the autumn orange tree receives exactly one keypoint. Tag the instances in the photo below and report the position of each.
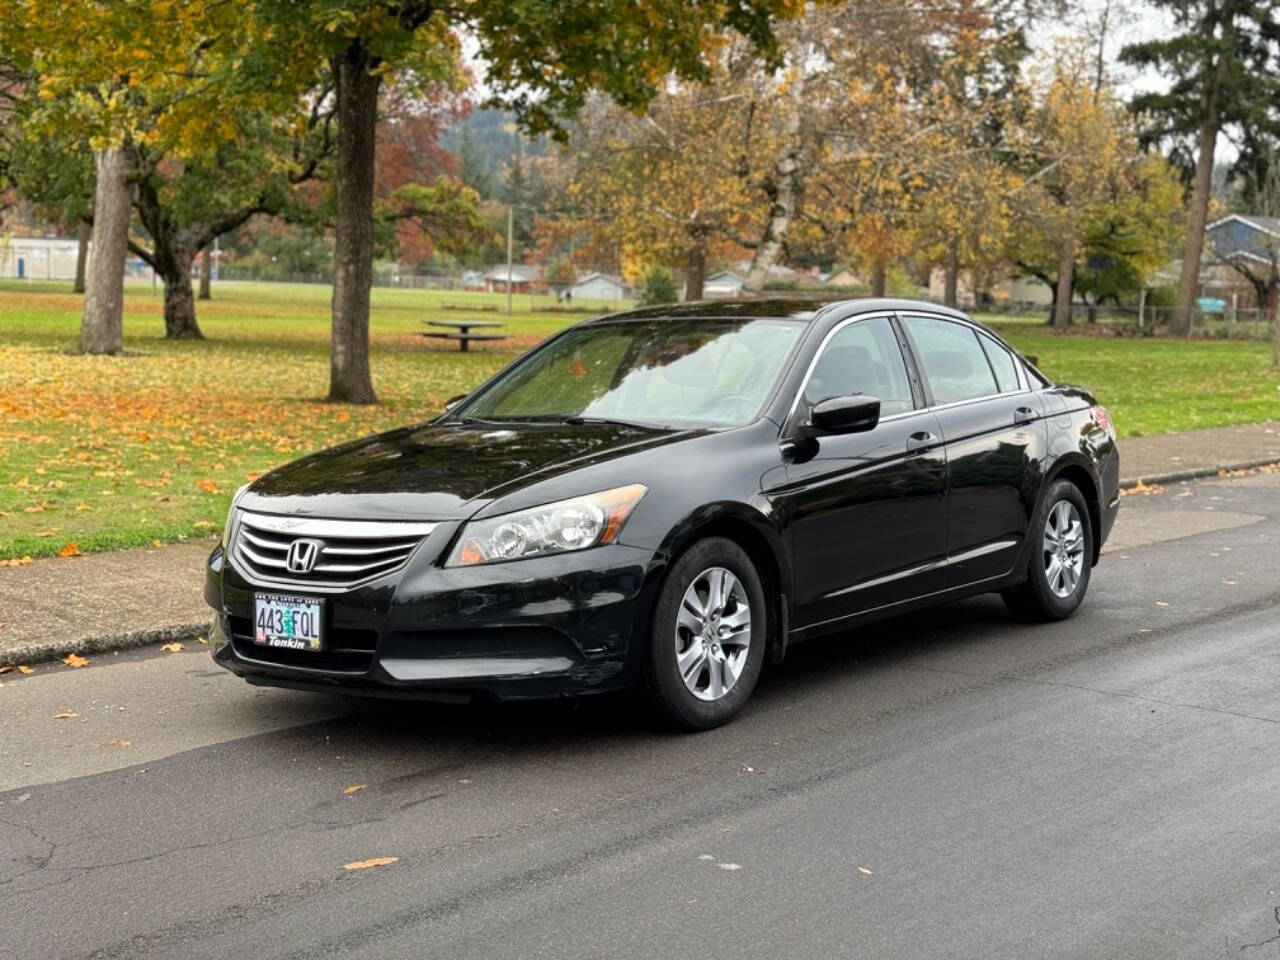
(912, 159)
(112, 76)
(970, 100)
(184, 126)
(1080, 169)
(871, 179)
(541, 58)
(669, 186)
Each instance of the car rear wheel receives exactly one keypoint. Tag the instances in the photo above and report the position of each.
(1061, 559)
(707, 641)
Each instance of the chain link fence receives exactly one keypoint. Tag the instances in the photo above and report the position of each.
(1232, 323)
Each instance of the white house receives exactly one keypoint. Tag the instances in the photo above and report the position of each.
(844, 278)
(724, 283)
(38, 258)
(520, 279)
(1014, 288)
(600, 286)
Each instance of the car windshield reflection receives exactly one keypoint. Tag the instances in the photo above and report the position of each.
(715, 372)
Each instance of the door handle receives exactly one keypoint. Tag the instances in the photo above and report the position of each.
(920, 440)
(1023, 415)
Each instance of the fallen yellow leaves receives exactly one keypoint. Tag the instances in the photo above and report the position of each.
(1142, 489)
(354, 788)
(366, 864)
(70, 550)
(174, 647)
(75, 661)
(25, 670)
(16, 562)
(1246, 471)
(4, 670)
(66, 715)
(97, 443)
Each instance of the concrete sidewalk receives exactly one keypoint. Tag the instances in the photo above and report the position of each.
(102, 601)
(1169, 457)
(129, 598)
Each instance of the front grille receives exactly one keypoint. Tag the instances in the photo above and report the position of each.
(346, 552)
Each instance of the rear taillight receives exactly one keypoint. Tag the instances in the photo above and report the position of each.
(1103, 419)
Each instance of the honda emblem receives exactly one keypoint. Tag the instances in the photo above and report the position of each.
(302, 556)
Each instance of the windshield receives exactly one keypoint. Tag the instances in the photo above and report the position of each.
(696, 371)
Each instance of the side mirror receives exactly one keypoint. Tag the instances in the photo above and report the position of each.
(854, 414)
(454, 401)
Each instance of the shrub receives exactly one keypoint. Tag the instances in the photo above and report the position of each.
(659, 287)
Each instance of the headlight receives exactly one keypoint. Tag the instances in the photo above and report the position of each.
(231, 515)
(555, 528)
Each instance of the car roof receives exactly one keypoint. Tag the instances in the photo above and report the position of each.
(778, 308)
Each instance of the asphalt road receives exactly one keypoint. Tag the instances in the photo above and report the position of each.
(946, 785)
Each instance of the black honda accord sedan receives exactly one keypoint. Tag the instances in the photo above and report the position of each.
(671, 497)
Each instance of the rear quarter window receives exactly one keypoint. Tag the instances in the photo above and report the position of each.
(1002, 364)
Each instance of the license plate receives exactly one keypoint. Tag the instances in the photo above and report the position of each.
(292, 623)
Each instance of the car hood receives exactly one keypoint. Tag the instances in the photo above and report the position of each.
(441, 471)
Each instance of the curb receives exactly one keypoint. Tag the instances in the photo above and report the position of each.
(1196, 473)
(57, 649)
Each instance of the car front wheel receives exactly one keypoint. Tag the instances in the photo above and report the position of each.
(1061, 557)
(707, 641)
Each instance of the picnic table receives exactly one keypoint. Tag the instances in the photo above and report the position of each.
(460, 330)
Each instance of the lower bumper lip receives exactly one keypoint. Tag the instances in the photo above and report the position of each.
(472, 668)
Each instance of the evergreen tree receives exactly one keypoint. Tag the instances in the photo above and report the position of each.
(472, 168)
(1221, 60)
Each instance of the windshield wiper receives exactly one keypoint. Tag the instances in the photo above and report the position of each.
(580, 421)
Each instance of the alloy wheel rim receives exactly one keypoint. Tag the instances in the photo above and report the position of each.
(713, 633)
(1063, 549)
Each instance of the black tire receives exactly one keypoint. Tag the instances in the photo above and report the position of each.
(1035, 599)
(670, 696)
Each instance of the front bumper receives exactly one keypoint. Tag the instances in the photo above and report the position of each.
(543, 627)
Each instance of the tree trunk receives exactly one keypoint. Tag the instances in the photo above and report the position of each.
(1066, 282)
(784, 190)
(179, 301)
(206, 272)
(879, 278)
(102, 323)
(82, 255)
(1189, 278)
(1275, 325)
(696, 268)
(357, 106)
(951, 281)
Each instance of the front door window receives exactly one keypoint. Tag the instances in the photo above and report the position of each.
(863, 358)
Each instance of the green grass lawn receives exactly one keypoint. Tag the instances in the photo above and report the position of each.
(1160, 385)
(146, 448)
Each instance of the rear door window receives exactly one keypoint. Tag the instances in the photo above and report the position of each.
(955, 364)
